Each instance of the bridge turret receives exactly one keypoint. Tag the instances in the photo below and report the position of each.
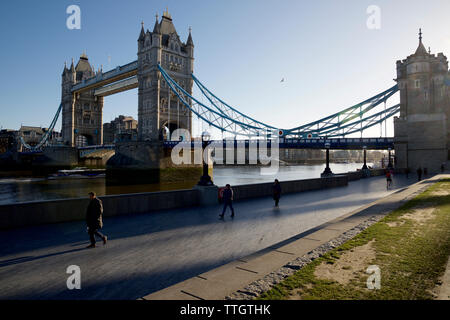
(190, 51)
(84, 69)
(68, 100)
(421, 131)
(141, 37)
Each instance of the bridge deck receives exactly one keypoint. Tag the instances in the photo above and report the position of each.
(338, 143)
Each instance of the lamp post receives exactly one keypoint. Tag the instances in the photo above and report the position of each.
(390, 160)
(365, 158)
(327, 171)
(205, 179)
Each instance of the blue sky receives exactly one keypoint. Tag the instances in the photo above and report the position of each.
(324, 50)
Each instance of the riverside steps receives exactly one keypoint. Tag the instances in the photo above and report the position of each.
(147, 253)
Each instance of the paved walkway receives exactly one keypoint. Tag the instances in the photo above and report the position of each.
(233, 277)
(148, 253)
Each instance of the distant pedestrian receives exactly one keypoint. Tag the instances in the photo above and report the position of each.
(227, 198)
(94, 219)
(419, 173)
(407, 172)
(442, 168)
(276, 192)
(388, 179)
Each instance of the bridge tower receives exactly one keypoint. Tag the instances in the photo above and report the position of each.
(82, 113)
(159, 111)
(422, 136)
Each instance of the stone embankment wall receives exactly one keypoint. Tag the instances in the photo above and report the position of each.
(56, 211)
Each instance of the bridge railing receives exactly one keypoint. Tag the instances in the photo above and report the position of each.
(334, 143)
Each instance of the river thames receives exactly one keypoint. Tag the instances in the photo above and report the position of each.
(13, 190)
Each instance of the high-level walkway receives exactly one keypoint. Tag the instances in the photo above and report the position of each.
(147, 253)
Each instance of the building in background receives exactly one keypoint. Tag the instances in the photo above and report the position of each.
(8, 141)
(123, 128)
(33, 135)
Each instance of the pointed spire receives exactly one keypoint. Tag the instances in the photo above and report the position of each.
(72, 68)
(189, 40)
(65, 68)
(157, 27)
(84, 55)
(421, 51)
(142, 35)
(166, 14)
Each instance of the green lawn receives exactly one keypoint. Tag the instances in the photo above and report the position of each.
(411, 247)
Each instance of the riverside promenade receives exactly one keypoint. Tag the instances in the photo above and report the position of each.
(149, 252)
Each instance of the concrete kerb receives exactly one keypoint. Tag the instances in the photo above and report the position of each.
(249, 276)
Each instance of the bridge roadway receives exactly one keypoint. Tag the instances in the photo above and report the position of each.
(147, 253)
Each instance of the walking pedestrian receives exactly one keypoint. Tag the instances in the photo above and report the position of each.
(227, 200)
(442, 167)
(407, 173)
(276, 192)
(419, 173)
(388, 179)
(94, 219)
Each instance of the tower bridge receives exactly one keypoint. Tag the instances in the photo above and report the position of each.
(164, 76)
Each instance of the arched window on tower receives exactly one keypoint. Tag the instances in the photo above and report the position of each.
(417, 83)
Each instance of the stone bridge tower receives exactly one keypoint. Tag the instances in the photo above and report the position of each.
(82, 113)
(159, 111)
(422, 136)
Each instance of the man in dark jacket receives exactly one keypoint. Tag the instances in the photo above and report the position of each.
(227, 197)
(276, 192)
(94, 219)
(419, 173)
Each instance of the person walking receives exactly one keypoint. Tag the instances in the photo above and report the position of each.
(419, 173)
(276, 192)
(94, 219)
(388, 179)
(227, 200)
(442, 167)
(407, 173)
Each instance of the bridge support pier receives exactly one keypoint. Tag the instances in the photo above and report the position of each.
(146, 162)
(55, 158)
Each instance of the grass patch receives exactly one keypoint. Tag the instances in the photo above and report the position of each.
(412, 246)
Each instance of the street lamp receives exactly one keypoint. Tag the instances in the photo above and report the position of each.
(327, 171)
(390, 161)
(205, 179)
(365, 158)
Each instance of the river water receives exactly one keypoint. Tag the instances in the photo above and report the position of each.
(13, 190)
